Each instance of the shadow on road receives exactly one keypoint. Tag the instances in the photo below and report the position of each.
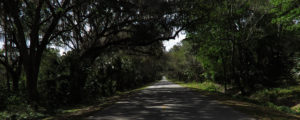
(168, 101)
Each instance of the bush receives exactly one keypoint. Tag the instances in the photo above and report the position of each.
(280, 108)
(296, 108)
(266, 95)
(210, 86)
(24, 112)
(16, 107)
(207, 86)
(278, 98)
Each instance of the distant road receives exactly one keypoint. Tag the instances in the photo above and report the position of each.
(168, 101)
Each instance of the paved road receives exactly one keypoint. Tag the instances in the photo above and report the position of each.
(168, 101)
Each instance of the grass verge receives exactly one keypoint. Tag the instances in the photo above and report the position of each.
(252, 108)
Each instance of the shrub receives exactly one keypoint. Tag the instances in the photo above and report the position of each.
(280, 108)
(24, 112)
(207, 86)
(16, 107)
(210, 86)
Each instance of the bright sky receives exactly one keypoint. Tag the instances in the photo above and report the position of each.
(62, 49)
(171, 43)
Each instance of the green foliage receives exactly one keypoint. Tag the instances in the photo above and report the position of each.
(247, 47)
(280, 108)
(23, 113)
(17, 107)
(210, 86)
(280, 96)
(109, 74)
(53, 79)
(183, 66)
(206, 85)
(287, 13)
(240, 46)
(118, 72)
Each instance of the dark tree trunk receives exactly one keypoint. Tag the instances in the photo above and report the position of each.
(31, 65)
(31, 82)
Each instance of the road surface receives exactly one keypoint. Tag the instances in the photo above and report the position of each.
(168, 101)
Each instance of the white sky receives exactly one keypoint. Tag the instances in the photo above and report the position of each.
(171, 43)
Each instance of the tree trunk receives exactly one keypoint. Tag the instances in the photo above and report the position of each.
(31, 65)
(31, 83)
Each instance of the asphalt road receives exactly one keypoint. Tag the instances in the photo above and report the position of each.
(168, 101)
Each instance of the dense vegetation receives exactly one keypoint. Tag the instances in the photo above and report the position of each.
(113, 45)
(250, 48)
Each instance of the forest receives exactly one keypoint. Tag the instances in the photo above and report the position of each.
(55, 54)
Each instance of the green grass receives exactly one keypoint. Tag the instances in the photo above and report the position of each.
(255, 108)
(207, 86)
